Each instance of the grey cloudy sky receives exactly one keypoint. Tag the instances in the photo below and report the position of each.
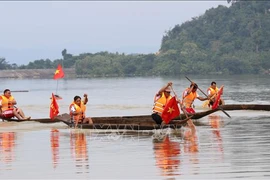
(39, 30)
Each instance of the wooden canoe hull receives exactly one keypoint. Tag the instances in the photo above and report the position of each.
(134, 127)
(146, 120)
(256, 107)
(41, 120)
(127, 125)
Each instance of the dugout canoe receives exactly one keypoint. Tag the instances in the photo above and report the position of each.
(127, 123)
(256, 107)
(112, 120)
(139, 119)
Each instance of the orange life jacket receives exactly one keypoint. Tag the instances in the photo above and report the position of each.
(160, 103)
(188, 100)
(212, 91)
(6, 103)
(81, 108)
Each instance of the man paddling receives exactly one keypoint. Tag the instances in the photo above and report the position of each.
(160, 100)
(189, 95)
(212, 92)
(8, 109)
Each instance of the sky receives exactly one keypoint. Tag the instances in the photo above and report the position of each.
(42, 29)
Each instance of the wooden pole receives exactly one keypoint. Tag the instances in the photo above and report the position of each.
(20, 91)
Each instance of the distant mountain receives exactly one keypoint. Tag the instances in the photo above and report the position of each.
(232, 40)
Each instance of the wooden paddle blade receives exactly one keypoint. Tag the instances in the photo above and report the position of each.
(224, 112)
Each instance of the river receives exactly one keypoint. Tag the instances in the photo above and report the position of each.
(222, 148)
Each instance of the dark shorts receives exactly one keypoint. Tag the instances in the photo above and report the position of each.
(211, 103)
(156, 117)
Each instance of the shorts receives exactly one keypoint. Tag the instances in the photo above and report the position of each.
(8, 113)
(190, 111)
(157, 118)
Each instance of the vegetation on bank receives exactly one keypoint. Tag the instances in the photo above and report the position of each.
(224, 40)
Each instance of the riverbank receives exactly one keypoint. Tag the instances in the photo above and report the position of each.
(35, 73)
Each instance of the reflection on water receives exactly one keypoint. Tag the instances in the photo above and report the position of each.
(191, 149)
(7, 145)
(79, 151)
(216, 122)
(170, 149)
(222, 148)
(190, 142)
(167, 156)
(55, 146)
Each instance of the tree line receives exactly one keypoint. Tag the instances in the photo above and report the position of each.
(224, 40)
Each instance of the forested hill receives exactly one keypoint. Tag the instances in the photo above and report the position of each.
(224, 40)
(233, 40)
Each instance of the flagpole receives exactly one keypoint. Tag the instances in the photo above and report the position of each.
(56, 87)
(59, 73)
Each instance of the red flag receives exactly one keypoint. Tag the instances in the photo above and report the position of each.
(59, 73)
(54, 109)
(216, 103)
(170, 111)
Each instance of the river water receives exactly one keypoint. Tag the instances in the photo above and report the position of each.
(222, 148)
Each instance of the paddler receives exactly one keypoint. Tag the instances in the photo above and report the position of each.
(160, 100)
(212, 94)
(188, 97)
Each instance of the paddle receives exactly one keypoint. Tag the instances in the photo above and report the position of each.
(187, 118)
(20, 91)
(207, 96)
(189, 122)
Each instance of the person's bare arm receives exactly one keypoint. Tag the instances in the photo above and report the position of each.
(14, 102)
(187, 92)
(164, 87)
(85, 99)
(191, 88)
(202, 99)
(0, 106)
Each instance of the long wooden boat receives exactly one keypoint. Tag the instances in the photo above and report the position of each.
(142, 122)
(133, 127)
(139, 119)
(256, 107)
(126, 122)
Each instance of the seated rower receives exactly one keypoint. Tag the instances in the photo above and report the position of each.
(8, 109)
(212, 94)
(77, 111)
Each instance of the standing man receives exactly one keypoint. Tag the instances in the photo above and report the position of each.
(160, 100)
(8, 109)
(189, 95)
(77, 110)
